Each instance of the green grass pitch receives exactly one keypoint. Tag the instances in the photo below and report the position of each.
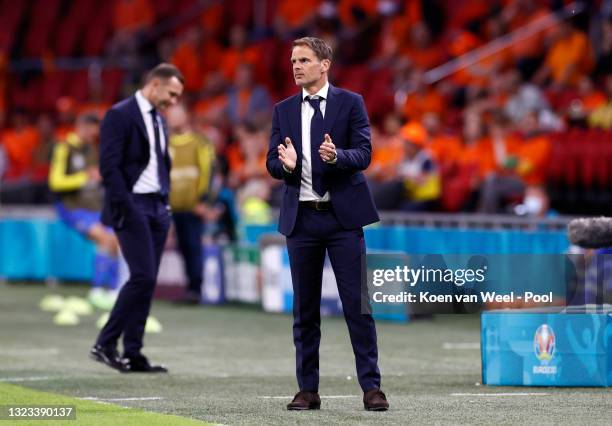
(235, 365)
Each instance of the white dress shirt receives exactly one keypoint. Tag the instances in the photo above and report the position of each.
(149, 179)
(306, 191)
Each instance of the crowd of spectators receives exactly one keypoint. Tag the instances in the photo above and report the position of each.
(478, 139)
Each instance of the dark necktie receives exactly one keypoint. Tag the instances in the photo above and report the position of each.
(162, 171)
(316, 139)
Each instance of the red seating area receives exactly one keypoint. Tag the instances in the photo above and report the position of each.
(580, 169)
(41, 94)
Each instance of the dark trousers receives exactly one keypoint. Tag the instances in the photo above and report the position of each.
(188, 227)
(496, 189)
(315, 233)
(142, 240)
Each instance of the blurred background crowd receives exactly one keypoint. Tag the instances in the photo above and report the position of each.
(476, 106)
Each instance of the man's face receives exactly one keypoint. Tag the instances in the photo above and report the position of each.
(165, 92)
(307, 68)
(88, 132)
(177, 118)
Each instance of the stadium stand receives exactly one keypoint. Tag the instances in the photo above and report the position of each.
(413, 59)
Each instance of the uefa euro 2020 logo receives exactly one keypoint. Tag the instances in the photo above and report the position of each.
(544, 343)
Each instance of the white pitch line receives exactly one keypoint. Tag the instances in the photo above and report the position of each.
(25, 379)
(29, 351)
(322, 397)
(461, 346)
(145, 398)
(502, 394)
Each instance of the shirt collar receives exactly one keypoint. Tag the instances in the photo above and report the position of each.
(322, 93)
(143, 103)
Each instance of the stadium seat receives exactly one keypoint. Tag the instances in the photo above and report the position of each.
(67, 37)
(112, 80)
(11, 14)
(98, 33)
(78, 85)
(42, 18)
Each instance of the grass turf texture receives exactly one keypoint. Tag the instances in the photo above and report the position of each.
(87, 412)
(235, 365)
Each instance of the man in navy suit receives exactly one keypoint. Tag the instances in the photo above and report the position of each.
(135, 168)
(319, 146)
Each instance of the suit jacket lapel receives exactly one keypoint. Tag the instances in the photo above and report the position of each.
(332, 106)
(295, 121)
(139, 120)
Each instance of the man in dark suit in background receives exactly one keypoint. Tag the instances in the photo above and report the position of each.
(135, 167)
(319, 146)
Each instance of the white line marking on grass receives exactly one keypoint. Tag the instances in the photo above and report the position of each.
(322, 397)
(25, 379)
(461, 346)
(29, 351)
(145, 398)
(502, 394)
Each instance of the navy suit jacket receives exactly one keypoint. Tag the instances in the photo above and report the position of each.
(346, 121)
(124, 154)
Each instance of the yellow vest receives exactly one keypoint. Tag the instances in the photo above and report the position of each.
(193, 159)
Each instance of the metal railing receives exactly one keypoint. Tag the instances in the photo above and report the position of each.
(390, 218)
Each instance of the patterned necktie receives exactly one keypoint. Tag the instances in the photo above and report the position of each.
(162, 171)
(316, 139)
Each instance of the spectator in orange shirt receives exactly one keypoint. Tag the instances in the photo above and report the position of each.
(94, 104)
(41, 156)
(421, 49)
(130, 18)
(477, 154)
(186, 57)
(388, 150)
(247, 156)
(576, 104)
(445, 147)
(20, 141)
(212, 103)
(246, 100)
(479, 74)
(423, 99)
(527, 53)
(520, 163)
(569, 58)
(132, 15)
(293, 16)
(239, 52)
(532, 151)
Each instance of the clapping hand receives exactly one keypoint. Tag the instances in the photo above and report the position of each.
(327, 150)
(287, 155)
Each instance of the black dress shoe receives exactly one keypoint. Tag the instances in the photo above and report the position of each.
(140, 364)
(110, 357)
(375, 400)
(304, 400)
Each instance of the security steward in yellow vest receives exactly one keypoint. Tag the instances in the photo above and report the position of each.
(193, 159)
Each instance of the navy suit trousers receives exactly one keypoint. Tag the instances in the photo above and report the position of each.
(142, 240)
(315, 233)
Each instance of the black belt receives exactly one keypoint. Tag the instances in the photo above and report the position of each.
(151, 195)
(317, 205)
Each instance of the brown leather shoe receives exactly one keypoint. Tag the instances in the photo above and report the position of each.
(375, 400)
(305, 401)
